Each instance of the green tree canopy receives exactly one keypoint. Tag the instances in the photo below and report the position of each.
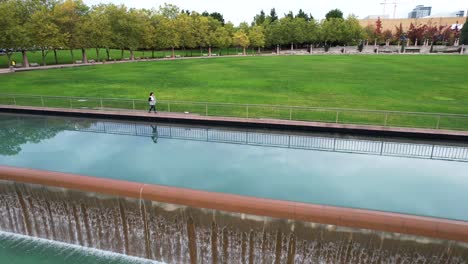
(464, 34)
(335, 13)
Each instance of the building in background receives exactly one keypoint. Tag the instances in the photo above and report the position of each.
(420, 11)
(460, 13)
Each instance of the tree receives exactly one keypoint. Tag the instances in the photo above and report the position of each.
(387, 36)
(169, 11)
(289, 15)
(257, 37)
(186, 31)
(241, 39)
(259, 19)
(353, 32)
(14, 36)
(399, 32)
(44, 32)
(333, 31)
(378, 30)
(68, 16)
(416, 33)
(273, 15)
(464, 34)
(218, 16)
(335, 13)
(221, 38)
(303, 15)
(168, 35)
(202, 31)
(100, 32)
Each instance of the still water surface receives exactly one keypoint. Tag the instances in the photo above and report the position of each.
(261, 164)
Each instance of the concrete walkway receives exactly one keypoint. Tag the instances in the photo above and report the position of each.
(243, 122)
(60, 66)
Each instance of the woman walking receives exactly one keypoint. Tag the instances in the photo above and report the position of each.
(152, 102)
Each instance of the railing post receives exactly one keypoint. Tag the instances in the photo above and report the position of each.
(247, 110)
(290, 113)
(133, 101)
(206, 109)
(438, 122)
(386, 119)
(42, 101)
(102, 106)
(71, 104)
(337, 116)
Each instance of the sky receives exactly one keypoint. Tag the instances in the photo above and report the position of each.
(245, 10)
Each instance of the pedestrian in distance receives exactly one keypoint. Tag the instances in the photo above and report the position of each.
(152, 102)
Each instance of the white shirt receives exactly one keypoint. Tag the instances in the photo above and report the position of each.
(153, 100)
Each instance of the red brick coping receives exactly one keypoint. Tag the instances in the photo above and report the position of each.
(346, 217)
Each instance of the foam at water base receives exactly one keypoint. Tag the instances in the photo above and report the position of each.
(51, 251)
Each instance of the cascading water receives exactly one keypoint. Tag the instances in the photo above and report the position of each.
(177, 234)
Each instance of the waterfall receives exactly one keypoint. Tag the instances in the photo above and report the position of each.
(178, 234)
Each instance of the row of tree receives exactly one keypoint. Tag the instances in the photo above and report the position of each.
(51, 25)
(423, 33)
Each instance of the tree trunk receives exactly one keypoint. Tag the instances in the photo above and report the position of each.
(173, 53)
(209, 51)
(9, 58)
(292, 46)
(97, 54)
(132, 56)
(55, 56)
(258, 52)
(220, 52)
(244, 51)
(43, 57)
(25, 59)
(72, 56)
(84, 58)
(107, 53)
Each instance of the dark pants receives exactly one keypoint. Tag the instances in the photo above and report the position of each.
(152, 107)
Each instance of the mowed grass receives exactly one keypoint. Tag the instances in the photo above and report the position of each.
(436, 84)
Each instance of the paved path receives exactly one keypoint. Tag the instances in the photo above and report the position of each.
(59, 66)
(243, 122)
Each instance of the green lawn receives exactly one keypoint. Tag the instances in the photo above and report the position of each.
(405, 83)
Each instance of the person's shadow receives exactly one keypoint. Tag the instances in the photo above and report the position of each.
(155, 134)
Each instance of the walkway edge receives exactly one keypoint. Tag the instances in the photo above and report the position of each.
(242, 122)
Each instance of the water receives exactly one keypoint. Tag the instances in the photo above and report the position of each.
(389, 176)
(19, 249)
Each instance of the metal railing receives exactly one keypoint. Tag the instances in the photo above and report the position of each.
(421, 150)
(299, 113)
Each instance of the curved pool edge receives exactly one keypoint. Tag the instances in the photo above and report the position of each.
(329, 215)
(368, 130)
